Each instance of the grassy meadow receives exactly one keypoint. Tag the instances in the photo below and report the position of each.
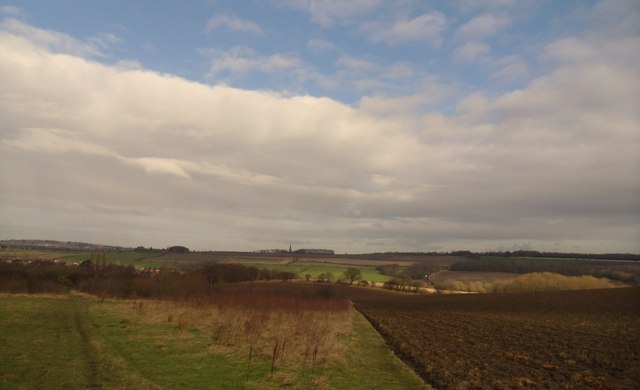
(78, 341)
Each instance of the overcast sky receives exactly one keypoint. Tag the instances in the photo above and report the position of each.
(358, 126)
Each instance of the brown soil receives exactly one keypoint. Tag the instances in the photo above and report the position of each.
(572, 339)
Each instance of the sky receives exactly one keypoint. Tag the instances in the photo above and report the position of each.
(360, 126)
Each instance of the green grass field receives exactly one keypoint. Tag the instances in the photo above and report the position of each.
(77, 342)
(144, 259)
(315, 268)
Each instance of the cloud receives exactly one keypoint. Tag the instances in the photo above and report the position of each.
(482, 26)
(616, 17)
(470, 51)
(92, 47)
(327, 12)
(321, 46)
(10, 10)
(55, 141)
(128, 65)
(357, 64)
(479, 4)
(232, 23)
(161, 165)
(65, 142)
(351, 73)
(553, 164)
(239, 60)
(399, 71)
(513, 72)
(429, 92)
(389, 105)
(426, 28)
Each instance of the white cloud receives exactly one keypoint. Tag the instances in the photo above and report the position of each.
(357, 64)
(10, 10)
(239, 60)
(128, 65)
(614, 18)
(92, 47)
(398, 71)
(470, 51)
(161, 165)
(516, 71)
(327, 12)
(64, 142)
(321, 46)
(383, 105)
(483, 26)
(55, 141)
(425, 28)
(232, 23)
(429, 91)
(573, 50)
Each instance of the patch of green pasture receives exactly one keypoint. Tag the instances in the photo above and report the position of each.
(313, 268)
(163, 354)
(129, 258)
(373, 275)
(48, 343)
(368, 273)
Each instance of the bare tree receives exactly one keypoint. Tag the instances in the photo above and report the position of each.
(352, 274)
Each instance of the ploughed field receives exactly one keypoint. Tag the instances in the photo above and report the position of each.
(568, 339)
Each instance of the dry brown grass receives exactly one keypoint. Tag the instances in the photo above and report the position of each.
(547, 281)
(294, 332)
(537, 281)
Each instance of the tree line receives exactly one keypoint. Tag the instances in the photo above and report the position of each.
(114, 280)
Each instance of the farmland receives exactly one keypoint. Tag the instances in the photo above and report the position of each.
(548, 339)
(574, 339)
(219, 315)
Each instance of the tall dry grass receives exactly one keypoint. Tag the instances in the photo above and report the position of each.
(537, 281)
(299, 333)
